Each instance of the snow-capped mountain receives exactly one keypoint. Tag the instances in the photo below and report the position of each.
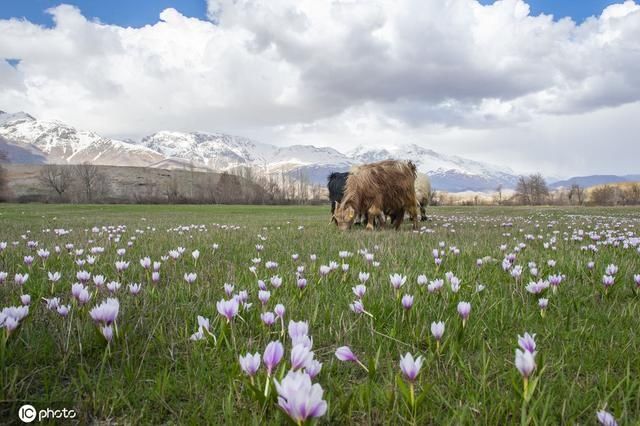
(60, 143)
(27, 139)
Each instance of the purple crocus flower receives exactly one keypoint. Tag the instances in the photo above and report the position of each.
(250, 364)
(299, 328)
(359, 290)
(527, 342)
(300, 356)
(302, 283)
(525, 363)
(268, 318)
(397, 280)
(464, 309)
(606, 419)
(344, 353)
(299, 398)
(25, 299)
(313, 368)
(410, 367)
(272, 355)
(279, 310)
(264, 296)
(106, 312)
(437, 329)
(228, 308)
(407, 301)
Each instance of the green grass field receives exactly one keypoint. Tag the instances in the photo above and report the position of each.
(588, 349)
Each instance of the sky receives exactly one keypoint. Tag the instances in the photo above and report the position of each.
(539, 85)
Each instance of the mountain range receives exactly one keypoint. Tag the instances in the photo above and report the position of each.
(32, 141)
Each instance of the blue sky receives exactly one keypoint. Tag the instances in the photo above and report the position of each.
(141, 12)
(133, 13)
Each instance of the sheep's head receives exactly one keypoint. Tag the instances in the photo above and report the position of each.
(344, 217)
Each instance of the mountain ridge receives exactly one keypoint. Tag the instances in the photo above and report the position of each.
(30, 140)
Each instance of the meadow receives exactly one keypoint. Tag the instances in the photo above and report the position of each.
(151, 360)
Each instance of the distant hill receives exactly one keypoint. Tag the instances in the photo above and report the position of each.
(593, 180)
(140, 185)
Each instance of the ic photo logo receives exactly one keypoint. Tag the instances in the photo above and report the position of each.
(28, 413)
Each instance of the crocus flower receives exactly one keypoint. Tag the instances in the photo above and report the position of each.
(301, 283)
(98, 280)
(106, 312)
(121, 266)
(363, 277)
(437, 329)
(407, 301)
(83, 276)
(276, 281)
(344, 353)
(608, 281)
(410, 367)
(301, 355)
(134, 288)
(525, 363)
(313, 368)
(250, 364)
(107, 332)
(228, 308)
(63, 310)
(435, 285)
(527, 343)
(464, 309)
(397, 280)
(606, 419)
(636, 279)
(279, 310)
(113, 286)
(611, 269)
(422, 280)
(25, 299)
(272, 355)
(299, 328)
(359, 290)
(264, 296)
(3, 276)
(54, 276)
(190, 278)
(228, 289)
(299, 399)
(268, 318)
(145, 262)
(324, 270)
(21, 279)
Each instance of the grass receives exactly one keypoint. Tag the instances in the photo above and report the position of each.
(588, 350)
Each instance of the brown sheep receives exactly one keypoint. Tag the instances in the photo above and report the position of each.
(386, 186)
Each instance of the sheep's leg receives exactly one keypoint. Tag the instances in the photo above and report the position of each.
(399, 218)
(373, 213)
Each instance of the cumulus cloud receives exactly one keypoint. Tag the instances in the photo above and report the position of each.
(454, 75)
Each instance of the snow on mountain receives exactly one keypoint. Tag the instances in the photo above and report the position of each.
(61, 143)
(56, 142)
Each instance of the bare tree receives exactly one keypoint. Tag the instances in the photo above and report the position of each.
(93, 183)
(604, 195)
(56, 177)
(499, 192)
(576, 194)
(532, 189)
(523, 190)
(632, 194)
(3, 176)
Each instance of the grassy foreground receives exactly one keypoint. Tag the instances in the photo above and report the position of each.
(588, 349)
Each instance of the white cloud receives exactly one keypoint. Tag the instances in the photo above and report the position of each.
(456, 76)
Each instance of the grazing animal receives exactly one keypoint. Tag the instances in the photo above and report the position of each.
(378, 188)
(423, 190)
(335, 185)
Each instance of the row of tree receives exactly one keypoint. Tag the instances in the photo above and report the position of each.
(244, 185)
